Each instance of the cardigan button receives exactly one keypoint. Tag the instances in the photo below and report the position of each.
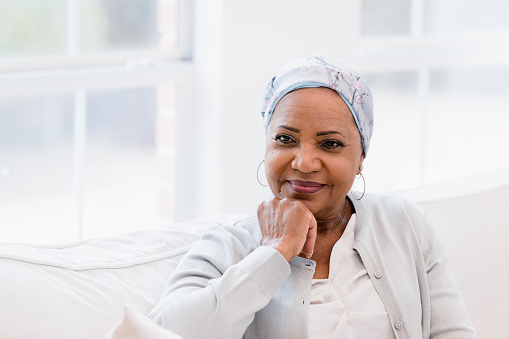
(398, 325)
(378, 274)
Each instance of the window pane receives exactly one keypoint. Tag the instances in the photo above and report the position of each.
(465, 16)
(37, 198)
(385, 17)
(112, 25)
(32, 27)
(468, 119)
(393, 161)
(121, 175)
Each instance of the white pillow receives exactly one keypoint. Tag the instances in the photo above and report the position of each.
(135, 325)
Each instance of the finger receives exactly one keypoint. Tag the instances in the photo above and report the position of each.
(309, 245)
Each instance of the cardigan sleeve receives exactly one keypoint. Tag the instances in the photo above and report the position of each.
(449, 315)
(218, 287)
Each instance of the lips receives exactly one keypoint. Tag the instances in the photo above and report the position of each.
(305, 187)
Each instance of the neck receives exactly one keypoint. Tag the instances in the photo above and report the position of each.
(329, 232)
(337, 223)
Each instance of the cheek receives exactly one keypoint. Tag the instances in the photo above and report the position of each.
(343, 174)
(272, 164)
(275, 164)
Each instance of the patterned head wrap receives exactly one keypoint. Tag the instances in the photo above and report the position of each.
(320, 71)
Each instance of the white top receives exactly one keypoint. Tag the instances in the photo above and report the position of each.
(346, 305)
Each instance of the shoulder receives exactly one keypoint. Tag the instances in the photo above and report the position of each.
(392, 206)
(393, 215)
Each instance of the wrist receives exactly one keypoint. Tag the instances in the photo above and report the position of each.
(283, 250)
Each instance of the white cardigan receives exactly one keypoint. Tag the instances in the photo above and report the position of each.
(346, 305)
(228, 286)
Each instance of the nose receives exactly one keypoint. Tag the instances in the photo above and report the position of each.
(306, 160)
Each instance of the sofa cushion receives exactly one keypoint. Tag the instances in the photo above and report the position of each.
(79, 290)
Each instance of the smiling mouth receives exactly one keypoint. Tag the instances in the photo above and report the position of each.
(305, 187)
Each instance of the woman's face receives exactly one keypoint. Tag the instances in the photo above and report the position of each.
(313, 150)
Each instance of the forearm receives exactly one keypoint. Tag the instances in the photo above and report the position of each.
(226, 306)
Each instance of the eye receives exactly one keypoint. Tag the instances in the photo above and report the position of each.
(283, 139)
(332, 144)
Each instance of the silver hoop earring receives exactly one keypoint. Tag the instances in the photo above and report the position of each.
(364, 191)
(257, 174)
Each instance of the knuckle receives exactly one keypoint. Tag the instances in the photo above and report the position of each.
(287, 202)
(299, 205)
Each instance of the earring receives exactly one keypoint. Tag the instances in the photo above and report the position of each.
(364, 191)
(258, 177)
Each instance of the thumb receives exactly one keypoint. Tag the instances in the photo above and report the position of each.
(309, 245)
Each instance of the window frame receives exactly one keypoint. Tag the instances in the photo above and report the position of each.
(79, 73)
(73, 58)
(423, 53)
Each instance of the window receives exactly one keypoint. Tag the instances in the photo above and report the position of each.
(89, 96)
(438, 70)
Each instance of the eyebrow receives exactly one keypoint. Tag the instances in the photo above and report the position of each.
(289, 128)
(317, 134)
(329, 132)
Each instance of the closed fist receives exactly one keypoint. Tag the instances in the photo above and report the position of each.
(288, 226)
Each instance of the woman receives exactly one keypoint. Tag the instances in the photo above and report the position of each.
(317, 261)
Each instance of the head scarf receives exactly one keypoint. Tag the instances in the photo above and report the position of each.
(320, 71)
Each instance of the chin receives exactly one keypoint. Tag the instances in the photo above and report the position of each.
(312, 203)
(313, 207)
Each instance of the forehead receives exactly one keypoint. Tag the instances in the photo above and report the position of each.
(313, 108)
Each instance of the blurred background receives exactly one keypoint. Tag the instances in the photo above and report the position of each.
(121, 115)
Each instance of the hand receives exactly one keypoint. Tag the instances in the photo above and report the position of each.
(288, 226)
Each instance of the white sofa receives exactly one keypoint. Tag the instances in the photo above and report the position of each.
(471, 218)
(79, 290)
